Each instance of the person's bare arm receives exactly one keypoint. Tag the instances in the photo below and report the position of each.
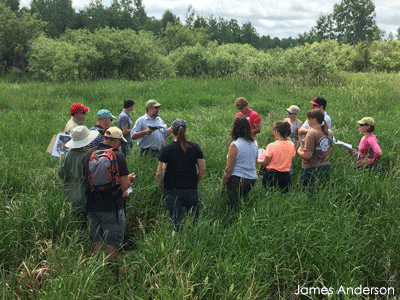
(201, 165)
(264, 161)
(257, 129)
(139, 134)
(125, 130)
(303, 131)
(230, 163)
(160, 175)
(304, 152)
(125, 181)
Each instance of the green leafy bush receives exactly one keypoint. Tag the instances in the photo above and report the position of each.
(311, 62)
(385, 56)
(177, 36)
(107, 53)
(189, 61)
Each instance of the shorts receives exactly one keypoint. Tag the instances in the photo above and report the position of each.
(104, 226)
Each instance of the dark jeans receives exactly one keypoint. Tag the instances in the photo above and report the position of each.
(126, 147)
(177, 200)
(311, 175)
(278, 179)
(368, 168)
(238, 187)
(151, 152)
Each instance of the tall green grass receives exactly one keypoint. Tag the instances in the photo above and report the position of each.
(344, 233)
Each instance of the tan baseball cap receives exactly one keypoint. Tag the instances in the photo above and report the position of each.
(152, 103)
(366, 121)
(114, 132)
(293, 109)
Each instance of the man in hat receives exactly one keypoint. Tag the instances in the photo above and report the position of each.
(78, 116)
(71, 168)
(150, 130)
(318, 103)
(125, 124)
(105, 204)
(104, 119)
(244, 111)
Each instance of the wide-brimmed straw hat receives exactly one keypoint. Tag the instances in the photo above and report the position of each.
(81, 137)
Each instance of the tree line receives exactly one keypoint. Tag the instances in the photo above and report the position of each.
(352, 21)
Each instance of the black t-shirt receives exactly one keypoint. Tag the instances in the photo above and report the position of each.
(181, 172)
(110, 199)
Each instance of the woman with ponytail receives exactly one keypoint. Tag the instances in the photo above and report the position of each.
(316, 149)
(177, 175)
(278, 158)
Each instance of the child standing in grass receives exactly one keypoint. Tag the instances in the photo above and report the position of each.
(369, 152)
(295, 123)
(316, 149)
(278, 158)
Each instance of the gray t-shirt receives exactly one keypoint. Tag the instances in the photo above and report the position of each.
(245, 161)
(124, 120)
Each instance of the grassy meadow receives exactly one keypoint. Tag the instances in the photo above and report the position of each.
(345, 234)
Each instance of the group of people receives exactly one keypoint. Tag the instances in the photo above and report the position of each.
(97, 180)
(313, 140)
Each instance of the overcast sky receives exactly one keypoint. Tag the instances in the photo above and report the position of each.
(275, 18)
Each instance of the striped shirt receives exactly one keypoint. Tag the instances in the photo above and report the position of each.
(99, 139)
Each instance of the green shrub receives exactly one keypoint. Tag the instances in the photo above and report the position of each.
(107, 53)
(385, 56)
(189, 61)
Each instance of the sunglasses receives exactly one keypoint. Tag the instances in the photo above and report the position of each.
(363, 125)
(316, 105)
(239, 107)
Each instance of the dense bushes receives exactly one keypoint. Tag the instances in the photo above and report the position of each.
(178, 50)
(109, 53)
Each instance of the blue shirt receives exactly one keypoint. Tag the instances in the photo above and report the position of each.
(124, 120)
(156, 139)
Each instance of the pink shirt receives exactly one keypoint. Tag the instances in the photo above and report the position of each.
(369, 148)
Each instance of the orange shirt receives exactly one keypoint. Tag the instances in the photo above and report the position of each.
(281, 154)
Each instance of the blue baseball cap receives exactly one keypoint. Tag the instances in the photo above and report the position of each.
(104, 114)
(178, 123)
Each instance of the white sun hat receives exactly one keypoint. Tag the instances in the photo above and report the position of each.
(81, 137)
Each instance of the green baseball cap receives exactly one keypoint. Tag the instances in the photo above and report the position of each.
(104, 114)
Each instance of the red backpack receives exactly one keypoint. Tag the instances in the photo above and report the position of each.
(103, 169)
